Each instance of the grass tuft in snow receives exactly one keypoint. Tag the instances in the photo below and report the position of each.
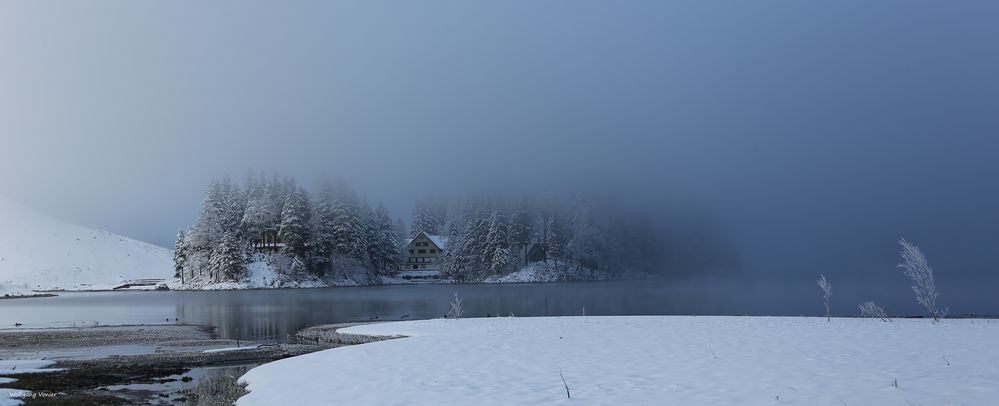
(567, 395)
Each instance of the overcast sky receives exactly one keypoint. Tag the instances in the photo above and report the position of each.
(814, 134)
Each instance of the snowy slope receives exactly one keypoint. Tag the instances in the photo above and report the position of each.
(673, 360)
(41, 253)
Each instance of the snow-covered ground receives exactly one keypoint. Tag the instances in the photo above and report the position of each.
(537, 272)
(533, 272)
(41, 253)
(679, 360)
(261, 275)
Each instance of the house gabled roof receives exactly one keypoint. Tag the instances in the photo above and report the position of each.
(438, 240)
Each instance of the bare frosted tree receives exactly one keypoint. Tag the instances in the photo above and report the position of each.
(826, 293)
(924, 286)
(870, 310)
(456, 308)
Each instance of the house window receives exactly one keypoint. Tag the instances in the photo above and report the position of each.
(433, 251)
(415, 266)
(410, 251)
(421, 251)
(423, 267)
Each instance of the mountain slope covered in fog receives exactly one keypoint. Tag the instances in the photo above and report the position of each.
(38, 252)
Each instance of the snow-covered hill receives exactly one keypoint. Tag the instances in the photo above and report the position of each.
(41, 253)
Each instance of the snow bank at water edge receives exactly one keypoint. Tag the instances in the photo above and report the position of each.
(538, 272)
(646, 360)
(265, 272)
(15, 290)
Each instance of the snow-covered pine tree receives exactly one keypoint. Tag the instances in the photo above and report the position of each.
(349, 228)
(279, 190)
(231, 207)
(555, 239)
(371, 237)
(473, 247)
(206, 233)
(456, 259)
(401, 234)
(521, 230)
(180, 256)
(295, 224)
(586, 246)
(228, 261)
(388, 241)
(496, 254)
(428, 217)
(324, 243)
(261, 213)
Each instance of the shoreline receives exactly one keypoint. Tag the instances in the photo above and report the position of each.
(42, 294)
(126, 364)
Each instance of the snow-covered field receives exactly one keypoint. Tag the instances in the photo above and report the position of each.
(678, 360)
(41, 253)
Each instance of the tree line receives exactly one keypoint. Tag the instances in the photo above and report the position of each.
(571, 239)
(332, 235)
(327, 234)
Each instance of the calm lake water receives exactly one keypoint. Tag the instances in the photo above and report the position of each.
(278, 314)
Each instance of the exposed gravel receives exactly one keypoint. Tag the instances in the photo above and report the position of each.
(327, 333)
(22, 339)
(172, 350)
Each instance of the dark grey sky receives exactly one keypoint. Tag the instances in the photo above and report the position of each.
(814, 134)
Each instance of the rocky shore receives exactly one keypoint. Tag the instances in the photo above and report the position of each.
(125, 364)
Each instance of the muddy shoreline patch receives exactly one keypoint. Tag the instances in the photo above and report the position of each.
(328, 334)
(159, 370)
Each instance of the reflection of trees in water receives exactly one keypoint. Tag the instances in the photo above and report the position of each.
(279, 314)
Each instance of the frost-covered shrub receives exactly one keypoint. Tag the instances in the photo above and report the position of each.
(924, 285)
(826, 294)
(456, 308)
(870, 310)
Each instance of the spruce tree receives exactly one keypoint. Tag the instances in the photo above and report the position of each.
(372, 237)
(324, 243)
(456, 259)
(207, 231)
(496, 253)
(228, 261)
(388, 241)
(348, 234)
(428, 217)
(295, 224)
(473, 247)
(261, 213)
(180, 256)
(521, 230)
(555, 240)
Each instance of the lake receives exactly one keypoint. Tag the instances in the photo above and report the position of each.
(275, 315)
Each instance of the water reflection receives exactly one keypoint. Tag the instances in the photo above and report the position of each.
(278, 314)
